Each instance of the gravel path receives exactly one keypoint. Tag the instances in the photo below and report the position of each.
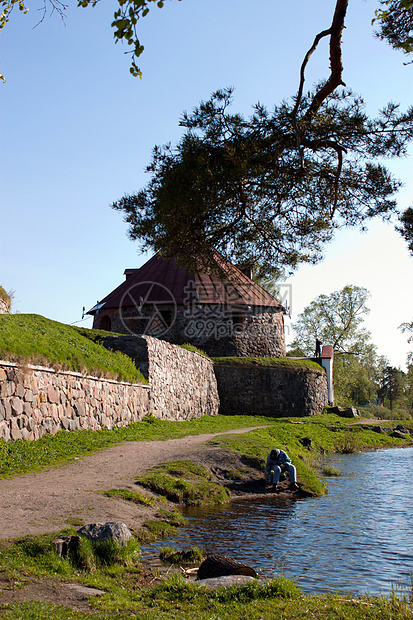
(47, 501)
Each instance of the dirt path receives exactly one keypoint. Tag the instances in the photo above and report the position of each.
(49, 500)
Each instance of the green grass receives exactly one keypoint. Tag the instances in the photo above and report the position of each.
(187, 603)
(20, 457)
(190, 347)
(130, 496)
(165, 523)
(30, 338)
(330, 471)
(171, 597)
(276, 362)
(175, 556)
(328, 432)
(184, 482)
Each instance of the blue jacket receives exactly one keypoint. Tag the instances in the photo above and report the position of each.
(282, 459)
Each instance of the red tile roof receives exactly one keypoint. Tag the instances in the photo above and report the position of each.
(162, 281)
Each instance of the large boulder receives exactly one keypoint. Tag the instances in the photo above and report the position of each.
(349, 412)
(219, 565)
(112, 530)
(225, 582)
(400, 432)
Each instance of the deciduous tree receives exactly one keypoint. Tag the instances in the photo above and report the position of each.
(392, 385)
(336, 320)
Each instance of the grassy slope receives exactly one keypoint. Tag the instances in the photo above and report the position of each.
(30, 338)
(276, 362)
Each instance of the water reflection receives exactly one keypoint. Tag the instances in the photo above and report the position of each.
(359, 537)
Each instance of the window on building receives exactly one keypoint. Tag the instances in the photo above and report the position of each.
(238, 321)
(105, 323)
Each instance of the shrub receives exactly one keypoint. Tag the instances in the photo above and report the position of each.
(173, 556)
(383, 413)
(330, 471)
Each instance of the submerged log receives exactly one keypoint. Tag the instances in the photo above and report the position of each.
(220, 565)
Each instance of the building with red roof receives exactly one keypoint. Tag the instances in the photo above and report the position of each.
(226, 314)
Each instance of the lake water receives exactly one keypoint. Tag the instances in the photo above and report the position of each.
(356, 539)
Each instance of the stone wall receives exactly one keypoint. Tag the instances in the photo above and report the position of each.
(35, 401)
(270, 391)
(258, 333)
(182, 383)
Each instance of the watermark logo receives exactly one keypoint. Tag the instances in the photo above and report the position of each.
(148, 308)
(208, 310)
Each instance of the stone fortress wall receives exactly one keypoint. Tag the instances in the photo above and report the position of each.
(36, 400)
(271, 391)
(182, 385)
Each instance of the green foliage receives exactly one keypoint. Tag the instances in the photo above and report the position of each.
(124, 24)
(243, 187)
(173, 517)
(109, 553)
(175, 587)
(96, 335)
(184, 482)
(174, 556)
(334, 319)
(347, 443)
(35, 555)
(31, 338)
(19, 457)
(357, 377)
(383, 413)
(391, 385)
(406, 229)
(280, 587)
(191, 347)
(154, 529)
(396, 24)
(330, 471)
(130, 496)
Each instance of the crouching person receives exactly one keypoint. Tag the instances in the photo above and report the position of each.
(278, 462)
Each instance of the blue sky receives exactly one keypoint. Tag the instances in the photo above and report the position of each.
(78, 131)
